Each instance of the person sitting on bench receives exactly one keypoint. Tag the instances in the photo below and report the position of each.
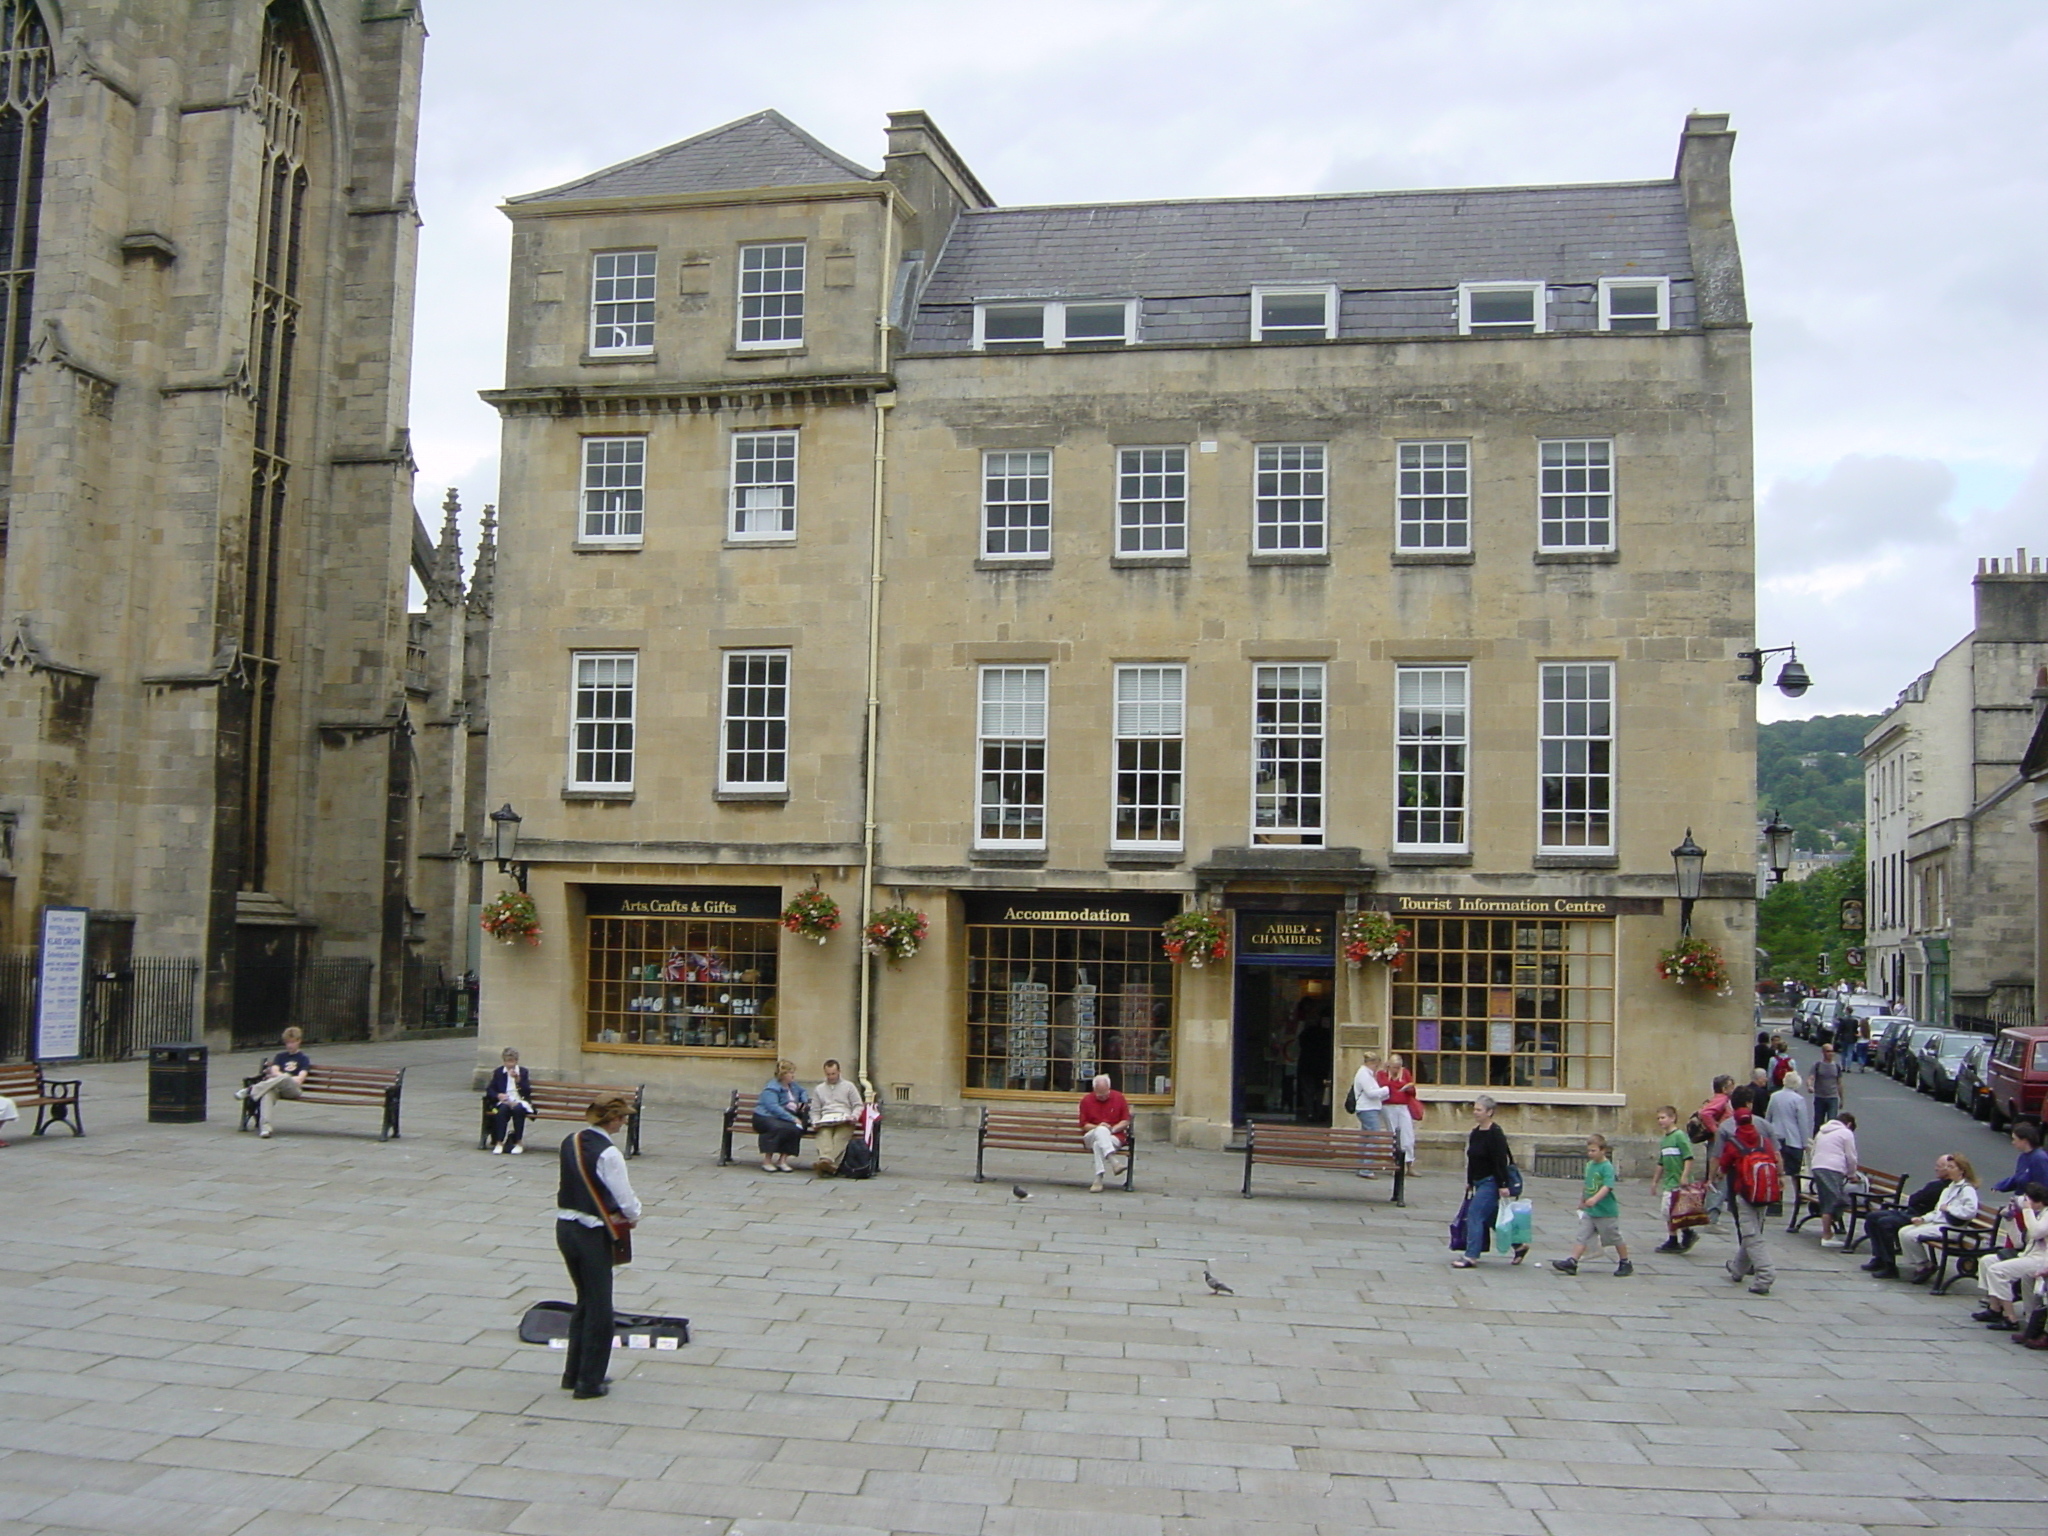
(837, 1106)
(1105, 1126)
(284, 1077)
(509, 1098)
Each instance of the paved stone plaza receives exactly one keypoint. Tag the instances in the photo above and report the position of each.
(205, 1333)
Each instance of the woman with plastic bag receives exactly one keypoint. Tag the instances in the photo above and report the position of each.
(1489, 1172)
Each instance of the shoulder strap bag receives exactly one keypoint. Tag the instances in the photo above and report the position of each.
(615, 1226)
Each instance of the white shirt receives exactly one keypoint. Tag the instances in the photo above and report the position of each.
(1371, 1092)
(611, 1170)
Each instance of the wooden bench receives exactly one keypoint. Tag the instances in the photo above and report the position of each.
(1311, 1146)
(1884, 1192)
(55, 1100)
(369, 1087)
(1041, 1130)
(740, 1114)
(567, 1101)
(1966, 1246)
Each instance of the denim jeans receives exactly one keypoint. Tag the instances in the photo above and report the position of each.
(1479, 1216)
(1370, 1119)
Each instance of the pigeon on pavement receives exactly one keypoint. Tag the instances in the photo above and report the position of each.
(1020, 1191)
(1216, 1287)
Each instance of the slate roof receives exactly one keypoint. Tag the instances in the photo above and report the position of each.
(1397, 257)
(765, 150)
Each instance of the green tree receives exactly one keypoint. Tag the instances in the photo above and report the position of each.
(1798, 922)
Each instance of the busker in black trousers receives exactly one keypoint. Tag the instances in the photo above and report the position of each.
(595, 1197)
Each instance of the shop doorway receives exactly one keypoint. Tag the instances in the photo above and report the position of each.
(1284, 1043)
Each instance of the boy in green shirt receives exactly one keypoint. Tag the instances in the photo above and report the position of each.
(1674, 1162)
(1599, 1212)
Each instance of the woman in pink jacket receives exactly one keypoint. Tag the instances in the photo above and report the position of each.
(1834, 1163)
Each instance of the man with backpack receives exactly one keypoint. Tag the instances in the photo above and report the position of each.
(1747, 1157)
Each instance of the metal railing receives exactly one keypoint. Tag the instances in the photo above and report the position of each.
(153, 1001)
(331, 999)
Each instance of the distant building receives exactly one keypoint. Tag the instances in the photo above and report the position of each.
(1951, 879)
(1057, 572)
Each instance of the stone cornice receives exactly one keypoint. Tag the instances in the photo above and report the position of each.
(692, 398)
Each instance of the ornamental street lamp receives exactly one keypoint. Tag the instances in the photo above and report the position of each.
(1777, 848)
(1690, 860)
(505, 843)
(1792, 677)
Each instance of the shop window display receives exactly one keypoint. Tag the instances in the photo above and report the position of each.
(681, 984)
(1048, 1007)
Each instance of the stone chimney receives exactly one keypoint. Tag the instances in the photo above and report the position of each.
(2012, 599)
(932, 178)
(1705, 151)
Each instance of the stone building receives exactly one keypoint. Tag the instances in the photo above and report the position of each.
(1948, 830)
(208, 720)
(1052, 572)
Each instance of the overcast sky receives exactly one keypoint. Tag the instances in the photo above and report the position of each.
(1890, 180)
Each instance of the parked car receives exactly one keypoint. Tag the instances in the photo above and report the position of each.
(1885, 1044)
(1973, 1093)
(1805, 1016)
(1905, 1064)
(1939, 1058)
(2018, 1075)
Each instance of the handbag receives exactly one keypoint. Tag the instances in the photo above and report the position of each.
(1351, 1100)
(620, 1234)
(1458, 1225)
(1514, 1178)
(1688, 1206)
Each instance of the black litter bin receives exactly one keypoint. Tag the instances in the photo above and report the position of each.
(177, 1083)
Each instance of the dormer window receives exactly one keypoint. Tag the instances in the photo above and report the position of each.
(1500, 309)
(1635, 303)
(1051, 325)
(1294, 314)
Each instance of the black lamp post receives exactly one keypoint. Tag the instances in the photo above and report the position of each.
(1690, 860)
(1792, 677)
(1777, 848)
(505, 843)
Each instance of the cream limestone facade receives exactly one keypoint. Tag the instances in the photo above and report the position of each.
(210, 731)
(1106, 588)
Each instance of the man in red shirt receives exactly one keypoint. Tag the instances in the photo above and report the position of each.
(1105, 1127)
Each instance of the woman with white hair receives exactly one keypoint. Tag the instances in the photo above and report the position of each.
(1790, 1118)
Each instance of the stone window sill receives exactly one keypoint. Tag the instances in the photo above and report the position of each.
(751, 796)
(1148, 562)
(1020, 857)
(608, 547)
(1432, 557)
(1144, 858)
(1577, 861)
(612, 796)
(1290, 557)
(1019, 563)
(1418, 859)
(785, 541)
(742, 354)
(1578, 557)
(607, 359)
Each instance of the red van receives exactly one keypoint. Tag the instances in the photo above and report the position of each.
(2017, 1075)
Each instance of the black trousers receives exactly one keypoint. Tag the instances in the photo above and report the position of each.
(508, 1125)
(1884, 1228)
(588, 1253)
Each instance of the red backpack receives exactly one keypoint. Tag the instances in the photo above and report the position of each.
(1759, 1176)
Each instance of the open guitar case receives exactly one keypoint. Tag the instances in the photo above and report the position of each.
(548, 1320)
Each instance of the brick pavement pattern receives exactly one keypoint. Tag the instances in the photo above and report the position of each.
(314, 1336)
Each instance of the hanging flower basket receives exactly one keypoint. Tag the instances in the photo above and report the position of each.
(1368, 935)
(811, 915)
(512, 917)
(1195, 938)
(894, 933)
(1695, 963)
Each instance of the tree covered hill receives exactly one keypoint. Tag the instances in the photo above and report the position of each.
(1808, 772)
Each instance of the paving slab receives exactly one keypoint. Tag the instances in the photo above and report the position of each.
(315, 1335)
